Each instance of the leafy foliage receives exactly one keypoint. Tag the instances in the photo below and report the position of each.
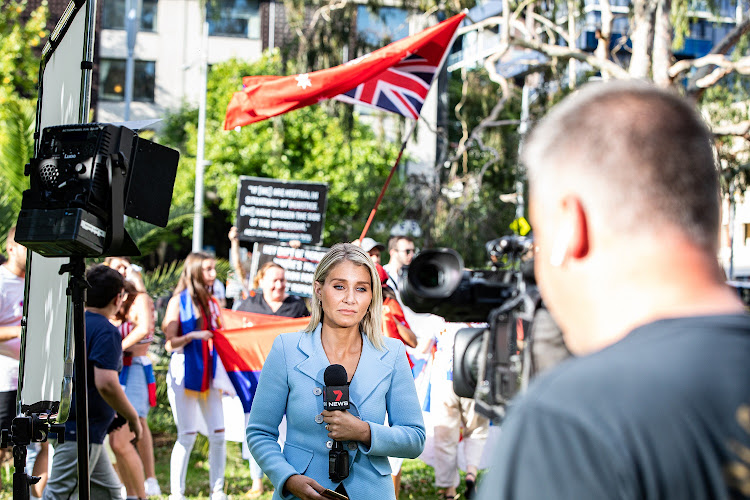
(162, 280)
(149, 237)
(20, 34)
(19, 38)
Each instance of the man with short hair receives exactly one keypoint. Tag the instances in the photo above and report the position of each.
(401, 251)
(105, 394)
(624, 201)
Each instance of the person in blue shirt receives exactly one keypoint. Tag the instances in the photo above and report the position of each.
(105, 394)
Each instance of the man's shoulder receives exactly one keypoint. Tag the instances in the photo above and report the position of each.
(391, 270)
(9, 278)
(668, 351)
(96, 324)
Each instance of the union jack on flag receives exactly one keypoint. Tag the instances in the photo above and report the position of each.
(401, 89)
(395, 78)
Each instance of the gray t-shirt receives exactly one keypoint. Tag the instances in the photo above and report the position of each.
(662, 414)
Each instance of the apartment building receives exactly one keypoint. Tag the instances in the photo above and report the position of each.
(168, 51)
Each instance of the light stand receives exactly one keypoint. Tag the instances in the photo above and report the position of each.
(27, 429)
(77, 286)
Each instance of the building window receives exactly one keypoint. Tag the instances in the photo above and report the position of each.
(387, 25)
(112, 80)
(113, 14)
(240, 18)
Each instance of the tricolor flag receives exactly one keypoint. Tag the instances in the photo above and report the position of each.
(243, 349)
(395, 78)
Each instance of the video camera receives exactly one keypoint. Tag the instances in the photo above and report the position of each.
(486, 365)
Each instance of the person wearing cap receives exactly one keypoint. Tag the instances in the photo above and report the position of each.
(372, 247)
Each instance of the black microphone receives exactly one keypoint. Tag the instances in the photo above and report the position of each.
(337, 388)
(336, 397)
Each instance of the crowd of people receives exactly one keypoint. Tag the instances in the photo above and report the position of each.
(654, 404)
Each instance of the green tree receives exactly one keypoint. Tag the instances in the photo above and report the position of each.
(21, 33)
(318, 143)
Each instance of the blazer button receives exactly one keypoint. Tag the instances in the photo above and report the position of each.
(352, 446)
(318, 418)
(329, 444)
(317, 391)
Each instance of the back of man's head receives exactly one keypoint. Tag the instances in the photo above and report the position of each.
(640, 157)
(106, 284)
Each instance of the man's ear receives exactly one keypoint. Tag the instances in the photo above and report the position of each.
(117, 300)
(572, 239)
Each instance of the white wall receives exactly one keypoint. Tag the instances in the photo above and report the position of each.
(175, 48)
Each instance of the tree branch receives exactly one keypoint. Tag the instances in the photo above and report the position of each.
(694, 89)
(556, 51)
(722, 67)
(741, 129)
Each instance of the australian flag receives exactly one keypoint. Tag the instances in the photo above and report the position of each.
(401, 89)
(395, 78)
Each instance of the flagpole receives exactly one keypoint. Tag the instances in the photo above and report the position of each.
(388, 179)
(406, 140)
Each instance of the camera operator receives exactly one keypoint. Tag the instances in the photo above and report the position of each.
(624, 200)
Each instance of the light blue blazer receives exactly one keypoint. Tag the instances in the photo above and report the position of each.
(292, 381)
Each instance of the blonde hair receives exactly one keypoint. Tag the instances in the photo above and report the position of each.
(191, 279)
(371, 324)
(262, 272)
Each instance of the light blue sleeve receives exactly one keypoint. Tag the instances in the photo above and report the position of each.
(405, 435)
(269, 406)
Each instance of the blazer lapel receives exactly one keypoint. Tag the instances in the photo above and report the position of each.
(371, 370)
(317, 362)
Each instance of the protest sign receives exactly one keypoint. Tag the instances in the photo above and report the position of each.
(273, 210)
(299, 264)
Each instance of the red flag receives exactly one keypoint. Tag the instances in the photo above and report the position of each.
(395, 78)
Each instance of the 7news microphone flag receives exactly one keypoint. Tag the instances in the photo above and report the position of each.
(394, 78)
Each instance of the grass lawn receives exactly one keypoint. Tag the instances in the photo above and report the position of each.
(416, 483)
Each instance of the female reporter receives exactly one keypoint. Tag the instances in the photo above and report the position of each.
(344, 329)
(191, 318)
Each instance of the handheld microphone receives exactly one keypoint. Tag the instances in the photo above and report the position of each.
(337, 389)
(336, 397)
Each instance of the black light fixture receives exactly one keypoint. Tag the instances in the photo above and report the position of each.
(85, 178)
